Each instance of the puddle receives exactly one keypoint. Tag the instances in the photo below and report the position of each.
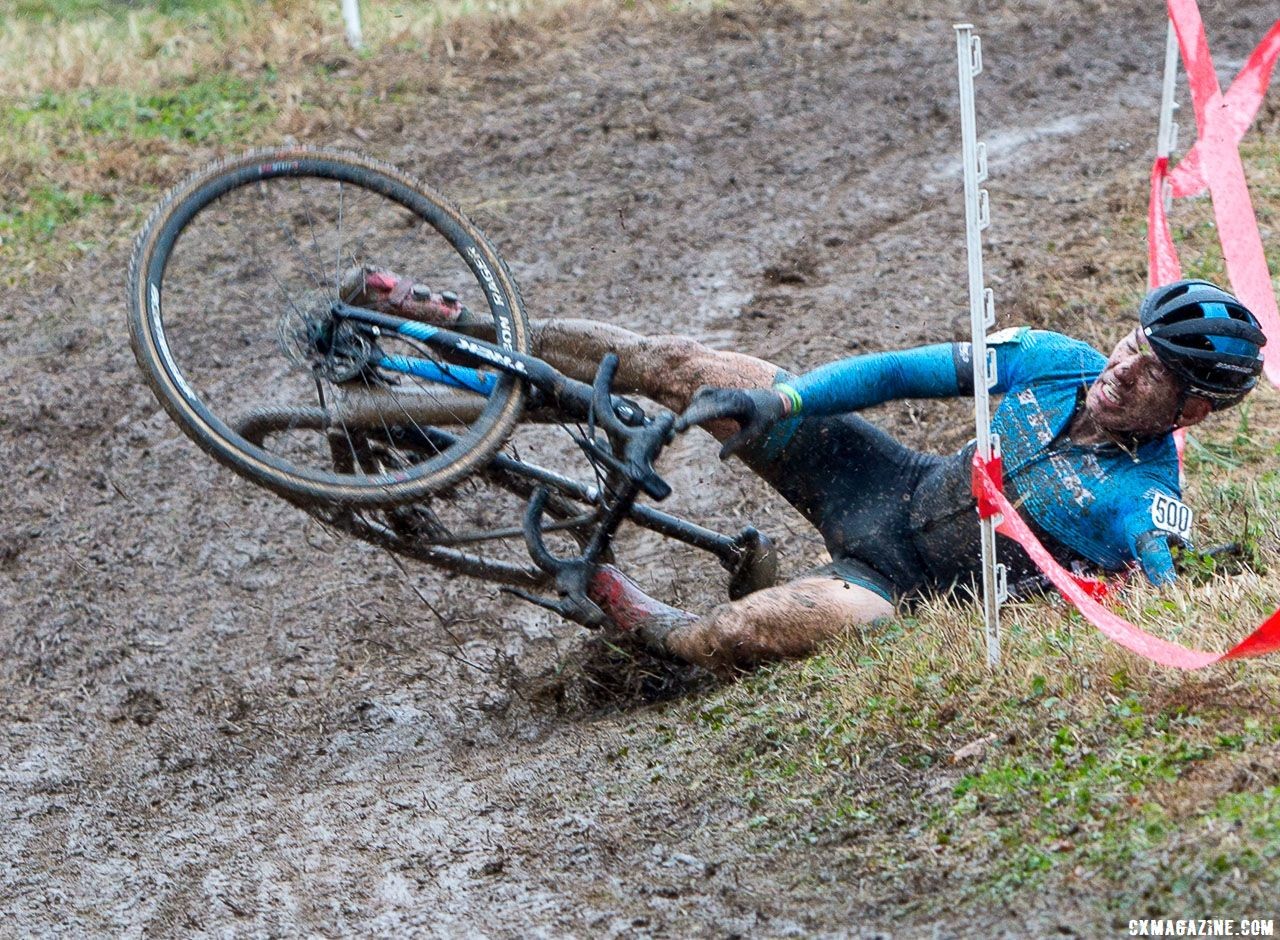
(1003, 145)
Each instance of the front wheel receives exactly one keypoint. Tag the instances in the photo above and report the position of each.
(230, 286)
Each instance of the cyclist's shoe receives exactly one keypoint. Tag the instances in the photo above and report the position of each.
(757, 568)
(632, 611)
(388, 292)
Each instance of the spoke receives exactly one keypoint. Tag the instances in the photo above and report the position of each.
(337, 253)
(346, 432)
(311, 227)
(286, 229)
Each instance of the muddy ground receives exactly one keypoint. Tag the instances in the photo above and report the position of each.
(218, 718)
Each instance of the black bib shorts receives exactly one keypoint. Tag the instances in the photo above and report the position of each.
(896, 521)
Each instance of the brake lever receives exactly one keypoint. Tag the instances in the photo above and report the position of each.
(640, 445)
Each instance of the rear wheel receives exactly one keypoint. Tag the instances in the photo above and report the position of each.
(230, 287)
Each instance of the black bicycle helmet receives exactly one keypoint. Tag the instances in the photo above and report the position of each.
(1206, 337)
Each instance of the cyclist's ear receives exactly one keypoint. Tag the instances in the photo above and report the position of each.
(1194, 411)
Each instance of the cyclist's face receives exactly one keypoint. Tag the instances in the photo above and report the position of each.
(1135, 394)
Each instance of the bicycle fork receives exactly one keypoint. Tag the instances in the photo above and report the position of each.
(630, 454)
(750, 557)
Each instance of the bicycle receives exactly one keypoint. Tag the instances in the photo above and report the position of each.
(412, 433)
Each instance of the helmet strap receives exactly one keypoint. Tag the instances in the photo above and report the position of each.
(1182, 404)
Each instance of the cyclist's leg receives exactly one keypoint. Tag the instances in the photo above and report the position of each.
(668, 369)
(789, 621)
(784, 622)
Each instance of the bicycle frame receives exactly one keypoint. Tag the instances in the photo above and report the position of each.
(573, 397)
(633, 443)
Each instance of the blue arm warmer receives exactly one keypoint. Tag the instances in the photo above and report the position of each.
(864, 381)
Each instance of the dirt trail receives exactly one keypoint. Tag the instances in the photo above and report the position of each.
(218, 719)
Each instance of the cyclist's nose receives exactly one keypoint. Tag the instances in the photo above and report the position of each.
(1126, 370)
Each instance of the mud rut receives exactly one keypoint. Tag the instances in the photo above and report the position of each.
(219, 718)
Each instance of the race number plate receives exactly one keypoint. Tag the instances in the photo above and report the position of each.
(1172, 516)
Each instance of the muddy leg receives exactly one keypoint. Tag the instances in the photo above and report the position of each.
(784, 622)
(668, 369)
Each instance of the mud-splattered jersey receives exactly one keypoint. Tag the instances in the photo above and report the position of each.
(1109, 505)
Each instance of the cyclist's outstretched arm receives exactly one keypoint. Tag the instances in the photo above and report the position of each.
(937, 371)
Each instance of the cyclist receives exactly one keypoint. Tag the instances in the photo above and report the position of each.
(1087, 445)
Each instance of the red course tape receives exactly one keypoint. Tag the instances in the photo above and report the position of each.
(1241, 103)
(1083, 593)
(1214, 162)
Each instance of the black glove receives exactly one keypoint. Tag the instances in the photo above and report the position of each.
(756, 409)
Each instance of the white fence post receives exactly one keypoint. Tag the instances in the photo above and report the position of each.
(982, 316)
(351, 13)
(1167, 136)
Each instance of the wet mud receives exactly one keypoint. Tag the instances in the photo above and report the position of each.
(217, 717)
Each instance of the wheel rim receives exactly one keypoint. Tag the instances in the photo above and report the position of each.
(251, 258)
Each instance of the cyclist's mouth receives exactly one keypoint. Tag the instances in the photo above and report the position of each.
(1107, 396)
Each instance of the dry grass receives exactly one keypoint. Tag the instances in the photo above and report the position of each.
(145, 48)
(98, 112)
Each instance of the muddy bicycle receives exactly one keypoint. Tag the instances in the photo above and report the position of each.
(413, 418)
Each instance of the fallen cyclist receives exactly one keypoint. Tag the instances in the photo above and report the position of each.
(1087, 443)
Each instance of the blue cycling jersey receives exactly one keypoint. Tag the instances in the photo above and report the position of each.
(1107, 504)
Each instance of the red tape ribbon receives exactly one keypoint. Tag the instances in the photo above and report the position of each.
(1214, 162)
(1082, 593)
(1240, 103)
(993, 473)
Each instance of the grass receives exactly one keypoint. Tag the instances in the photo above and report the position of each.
(66, 45)
(220, 109)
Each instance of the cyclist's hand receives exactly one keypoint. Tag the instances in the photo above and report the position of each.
(755, 409)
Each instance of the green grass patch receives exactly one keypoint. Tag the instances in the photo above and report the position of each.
(219, 109)
(47, 208)
(76, 146)
(216, 110)
(1088, 763)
